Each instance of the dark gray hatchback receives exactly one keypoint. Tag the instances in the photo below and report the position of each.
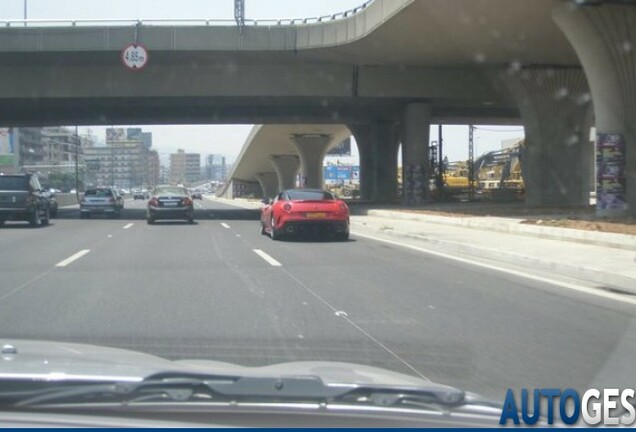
(22, 199)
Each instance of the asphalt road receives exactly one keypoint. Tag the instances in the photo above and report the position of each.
(219, 290)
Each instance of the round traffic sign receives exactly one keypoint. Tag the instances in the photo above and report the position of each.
(134, 57)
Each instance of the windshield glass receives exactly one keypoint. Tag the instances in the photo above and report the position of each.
(400, 192)
(309, 195)
(98, 193)
(170, 191)
(8, 183)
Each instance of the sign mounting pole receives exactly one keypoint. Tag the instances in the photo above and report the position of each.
(239, 13)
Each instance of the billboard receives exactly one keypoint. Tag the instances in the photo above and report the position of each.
(610, 172)
(342, 149)
(7, 141)
(115, 134)
(134, 134)
(338, 173)
(7, 150)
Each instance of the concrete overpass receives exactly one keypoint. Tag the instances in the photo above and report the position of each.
(273, 155)
(386, 72)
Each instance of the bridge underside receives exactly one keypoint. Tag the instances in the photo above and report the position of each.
(233, 110)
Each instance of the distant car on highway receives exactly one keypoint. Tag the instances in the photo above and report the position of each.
(297, 211)
(197, 195)
(170, 203)
(141, 196)
(22, 199)
(104, 201)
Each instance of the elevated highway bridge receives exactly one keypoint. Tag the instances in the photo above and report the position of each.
(384, 73)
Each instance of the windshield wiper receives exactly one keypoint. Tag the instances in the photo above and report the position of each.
(191, 388)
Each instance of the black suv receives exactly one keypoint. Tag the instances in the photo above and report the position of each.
(22, 198)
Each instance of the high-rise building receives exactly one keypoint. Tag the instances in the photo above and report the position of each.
(48, 149)
(215, 168)
(154, 168)
(185, 167)
(125, 161)
(31, 149)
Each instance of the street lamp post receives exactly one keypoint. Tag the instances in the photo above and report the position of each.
(77, 144)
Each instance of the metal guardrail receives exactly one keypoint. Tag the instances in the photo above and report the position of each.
(38, 23)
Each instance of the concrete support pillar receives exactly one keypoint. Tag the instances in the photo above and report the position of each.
(416, 122)
(555, 106)
(377, 145)
(605, 42)
(368, 157)
(312, 149)
(286, 168)
(269, 184)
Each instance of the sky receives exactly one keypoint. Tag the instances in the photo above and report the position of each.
(225, 139)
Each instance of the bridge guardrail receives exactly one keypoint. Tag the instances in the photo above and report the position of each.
(38, 23)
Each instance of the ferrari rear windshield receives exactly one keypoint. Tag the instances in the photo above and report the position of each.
(300, 195)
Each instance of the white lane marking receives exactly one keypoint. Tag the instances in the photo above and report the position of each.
(267, 258)
(72, 258)
(224, 225)
(128, 226)
(571, 286)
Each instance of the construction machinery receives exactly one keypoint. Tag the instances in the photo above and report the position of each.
(499, 173)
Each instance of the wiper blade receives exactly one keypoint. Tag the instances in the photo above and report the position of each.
(184, 388)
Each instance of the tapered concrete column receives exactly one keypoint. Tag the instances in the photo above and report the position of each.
(605, 42)
(368, 157)
(377, 145)
(555, 106)
(286, 168)
(416, 122)
(269, 183)
(312, 149)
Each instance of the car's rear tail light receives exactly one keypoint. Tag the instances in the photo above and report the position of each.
(29, 200)
(342, 207)
(287, 207)
(187, 201)
(154, 202)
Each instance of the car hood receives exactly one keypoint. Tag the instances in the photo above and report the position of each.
(60, 360)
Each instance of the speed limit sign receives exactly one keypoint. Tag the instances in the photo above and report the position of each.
(134, 57)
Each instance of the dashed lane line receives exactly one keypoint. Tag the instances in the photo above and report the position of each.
(72, 258)
(267, 258)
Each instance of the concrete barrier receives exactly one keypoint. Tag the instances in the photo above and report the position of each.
(66, 199)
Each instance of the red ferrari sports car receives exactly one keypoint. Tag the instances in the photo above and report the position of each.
(297, 211)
